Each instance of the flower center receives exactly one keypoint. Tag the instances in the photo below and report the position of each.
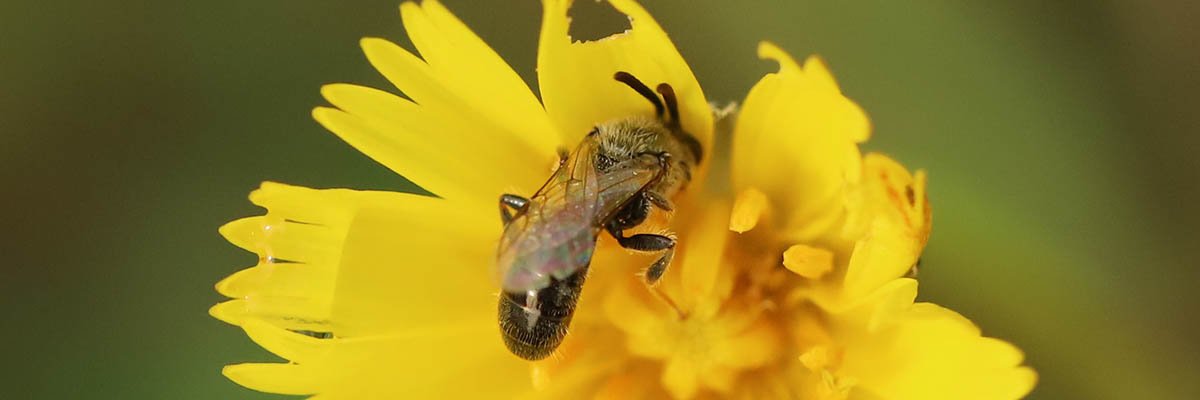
(707, 347)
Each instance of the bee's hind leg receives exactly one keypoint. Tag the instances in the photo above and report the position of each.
(515, 203)
(655, 271)
(649, 242)
(652, 274)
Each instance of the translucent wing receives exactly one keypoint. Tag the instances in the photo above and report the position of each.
(556, 233)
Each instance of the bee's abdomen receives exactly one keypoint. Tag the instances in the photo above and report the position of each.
(534, 334)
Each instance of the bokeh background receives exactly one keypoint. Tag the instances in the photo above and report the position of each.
(1060, 138)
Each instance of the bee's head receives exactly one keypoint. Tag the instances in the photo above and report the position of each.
(621, 140)
(668, 105)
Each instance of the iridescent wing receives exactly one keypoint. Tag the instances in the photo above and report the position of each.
(556, 233)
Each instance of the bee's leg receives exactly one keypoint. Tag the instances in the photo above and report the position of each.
(656, 270)
(514, 202)
(649, 242)
(646, 242)
(631, 215)
(662, 202)
(652, 274)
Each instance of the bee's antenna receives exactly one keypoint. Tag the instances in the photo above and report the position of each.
(668, 94)
(642, 89)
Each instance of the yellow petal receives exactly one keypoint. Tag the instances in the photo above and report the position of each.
(632, 309)
(796, 141)
(871, 310)
(366, 263)
(305, 205)
(469, 69)
(430, 149)
(681, 377)
(749, 206)
(809, 262)
(230, 312)
(414, 263)
(878, 259)
(887, 304)
(467, 104)
(719, 379)
(888, 193)
(292, 295)
(295, 347)
(298, 244)
(632, 384)
(276, 377)
(576, 79)
(581, 365)
(427, 364)
(275, 278)
(751, 347)
(703, 247)
(929, 352)
(893, 217)
(277, 239)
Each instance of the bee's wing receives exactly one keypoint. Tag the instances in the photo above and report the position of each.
(555, 235)
(532, 242)
(622, 181)
(592, 197)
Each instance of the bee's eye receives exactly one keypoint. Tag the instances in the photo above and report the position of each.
(603, 162)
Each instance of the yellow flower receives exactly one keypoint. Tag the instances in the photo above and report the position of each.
(789, 280)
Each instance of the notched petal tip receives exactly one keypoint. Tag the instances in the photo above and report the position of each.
(241, 283)
(815, 74)
(279, 378)
(770, 51)
(372, 45)
(270, 191)
(331, 90)
(246, 233)
(814, 67)
(324, 114)
(230, 312)
(290, 345)
(412, 7)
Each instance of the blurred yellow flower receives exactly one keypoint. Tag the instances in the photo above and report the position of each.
(789, 280)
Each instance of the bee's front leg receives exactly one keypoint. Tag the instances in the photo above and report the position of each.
(518, 205)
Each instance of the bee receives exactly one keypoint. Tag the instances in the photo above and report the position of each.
(610, 182)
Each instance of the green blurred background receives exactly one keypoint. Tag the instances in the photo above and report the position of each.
(1060, 138)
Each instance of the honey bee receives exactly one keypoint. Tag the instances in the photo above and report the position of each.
(610, 182)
